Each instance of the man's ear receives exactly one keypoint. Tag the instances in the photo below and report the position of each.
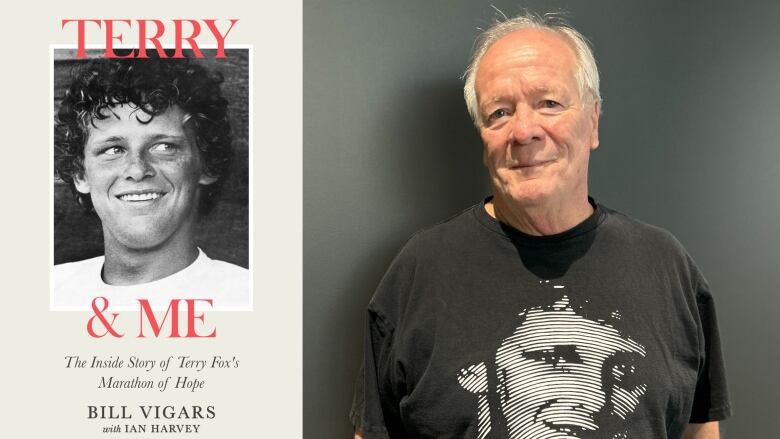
(206, 180)
(594, 120)
(81, 183)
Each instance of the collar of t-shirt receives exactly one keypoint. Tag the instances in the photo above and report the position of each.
(183, 274)
(590, 223)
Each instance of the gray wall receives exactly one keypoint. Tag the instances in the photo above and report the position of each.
(690, 141)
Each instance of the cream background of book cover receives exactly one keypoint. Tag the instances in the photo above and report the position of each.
(259, 398)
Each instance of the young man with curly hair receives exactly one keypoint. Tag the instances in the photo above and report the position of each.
(146, 145)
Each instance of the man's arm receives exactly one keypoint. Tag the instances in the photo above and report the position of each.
(707, 430)
(358, 436)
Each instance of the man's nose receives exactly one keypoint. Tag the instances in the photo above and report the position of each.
(589, 395)
(526, 126)
(138, 166)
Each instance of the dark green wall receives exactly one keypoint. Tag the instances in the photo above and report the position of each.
(690, 141)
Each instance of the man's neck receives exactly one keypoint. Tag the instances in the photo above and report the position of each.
(126, 266)
(540, 220)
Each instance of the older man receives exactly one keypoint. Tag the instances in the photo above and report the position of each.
(540, 313)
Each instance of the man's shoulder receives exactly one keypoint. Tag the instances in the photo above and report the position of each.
(460, 225)
(228, 284)
(215, 269)
(73, 283)
(433, 244)
(78, 269)
(641, 234)
(428, 251)
(227, 269)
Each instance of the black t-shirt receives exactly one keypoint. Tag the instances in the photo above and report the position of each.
(477, 330)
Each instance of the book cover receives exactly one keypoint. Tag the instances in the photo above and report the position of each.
(153, 262)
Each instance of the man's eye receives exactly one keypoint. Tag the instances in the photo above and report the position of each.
(620, 371)
(551, 104)
(555, 356)
(623, 369)
(498, 114)
(164, 147)
(113, 150)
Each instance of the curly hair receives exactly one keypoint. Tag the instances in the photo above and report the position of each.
(154, 86)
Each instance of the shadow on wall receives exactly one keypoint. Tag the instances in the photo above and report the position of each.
(439, 158)
(434, 164)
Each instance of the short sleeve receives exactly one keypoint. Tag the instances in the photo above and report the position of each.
(372, 409)
(711, 400)
(381, 383)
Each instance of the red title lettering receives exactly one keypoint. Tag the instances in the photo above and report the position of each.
(99, 325)
(148, 33)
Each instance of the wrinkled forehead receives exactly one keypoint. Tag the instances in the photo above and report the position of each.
(528, 47)
(546, 329)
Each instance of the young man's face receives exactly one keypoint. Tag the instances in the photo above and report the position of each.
(561, 374)
(143, 177)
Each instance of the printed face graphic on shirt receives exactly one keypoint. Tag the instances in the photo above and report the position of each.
(558, 375)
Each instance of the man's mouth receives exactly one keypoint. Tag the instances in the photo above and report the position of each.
(140, 196)
(526, 165)
(573, 419)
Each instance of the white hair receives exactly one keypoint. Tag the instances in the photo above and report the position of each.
(586, 74)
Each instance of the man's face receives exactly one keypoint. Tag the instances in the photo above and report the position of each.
(537, 129)
(143, 176)
(562, 375)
